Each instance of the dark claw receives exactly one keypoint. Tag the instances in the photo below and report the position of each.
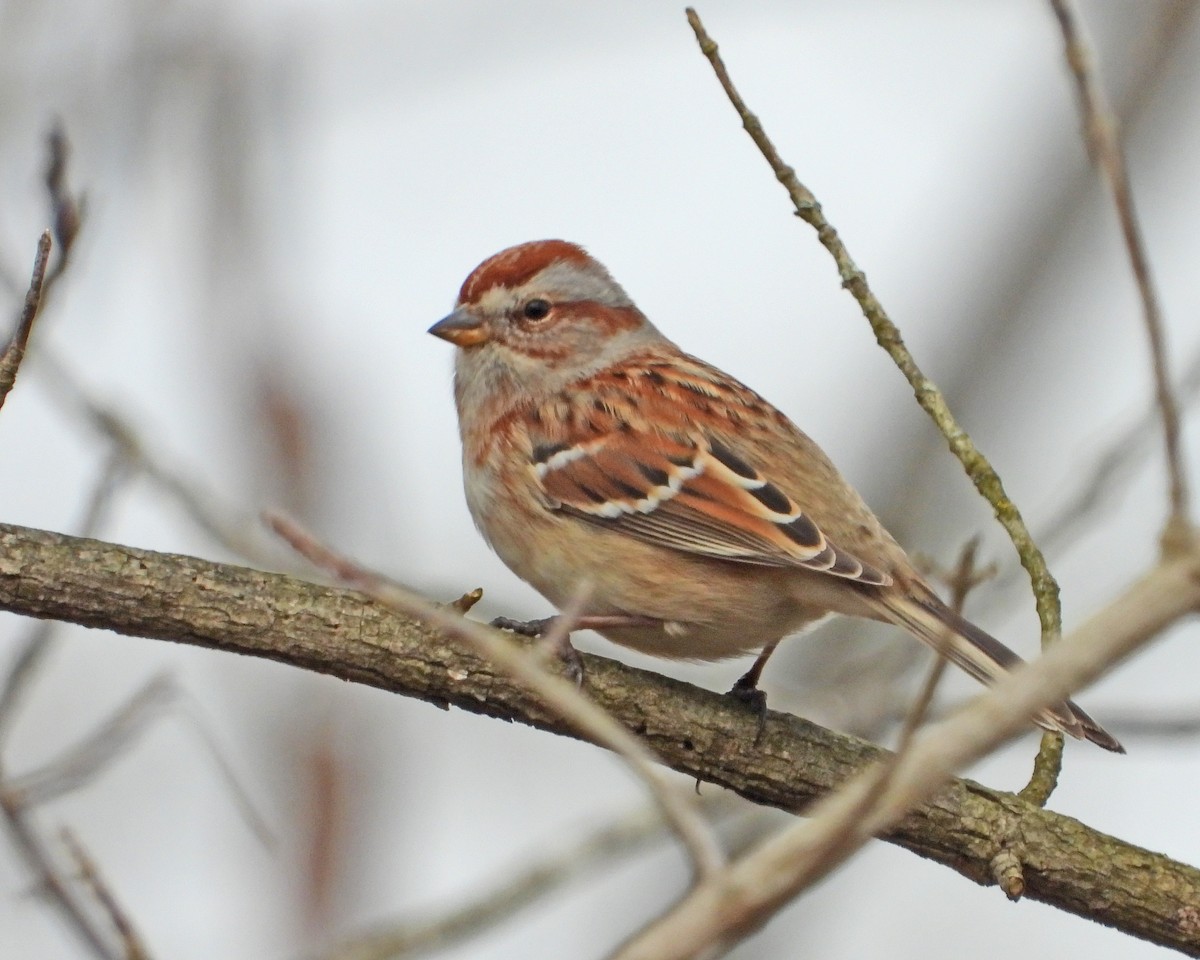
(563, 651)
(571, 660)
(744, 691)
(524, 628)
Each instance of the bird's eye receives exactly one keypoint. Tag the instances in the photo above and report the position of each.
(536, 310)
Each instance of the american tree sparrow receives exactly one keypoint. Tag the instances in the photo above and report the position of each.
(704, 523)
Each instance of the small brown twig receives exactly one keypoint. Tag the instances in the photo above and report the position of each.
(590, 720)
(976, 465)
(14, 353)
(66, 214)
(89, 873)
(1096, 486)
(1100, 127)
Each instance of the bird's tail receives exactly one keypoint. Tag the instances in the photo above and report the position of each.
(986, 659)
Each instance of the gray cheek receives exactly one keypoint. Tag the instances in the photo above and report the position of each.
(490, 378)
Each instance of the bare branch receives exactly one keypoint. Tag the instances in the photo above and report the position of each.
(1100, 126)
(14, 353)
(1095, 486)
(699, 733)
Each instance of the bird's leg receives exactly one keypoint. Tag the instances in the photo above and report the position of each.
(746, 689)
(557, 641)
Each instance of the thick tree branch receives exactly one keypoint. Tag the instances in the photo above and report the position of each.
(699, 733)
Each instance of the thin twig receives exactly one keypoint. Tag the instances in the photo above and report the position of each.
(1100, 126)
(89, 873)
(1096, 486)
(67, 211)
(976, 465)
(570, 703)
(14, 353)
(1047, 765)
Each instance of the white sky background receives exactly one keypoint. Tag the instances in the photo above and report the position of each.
(299, 188)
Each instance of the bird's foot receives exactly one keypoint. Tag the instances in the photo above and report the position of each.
(552, 642)
(525, 628)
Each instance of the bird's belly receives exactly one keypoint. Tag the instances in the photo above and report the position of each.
(706, 609)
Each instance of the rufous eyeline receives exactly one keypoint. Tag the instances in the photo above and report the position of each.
(704, 523)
